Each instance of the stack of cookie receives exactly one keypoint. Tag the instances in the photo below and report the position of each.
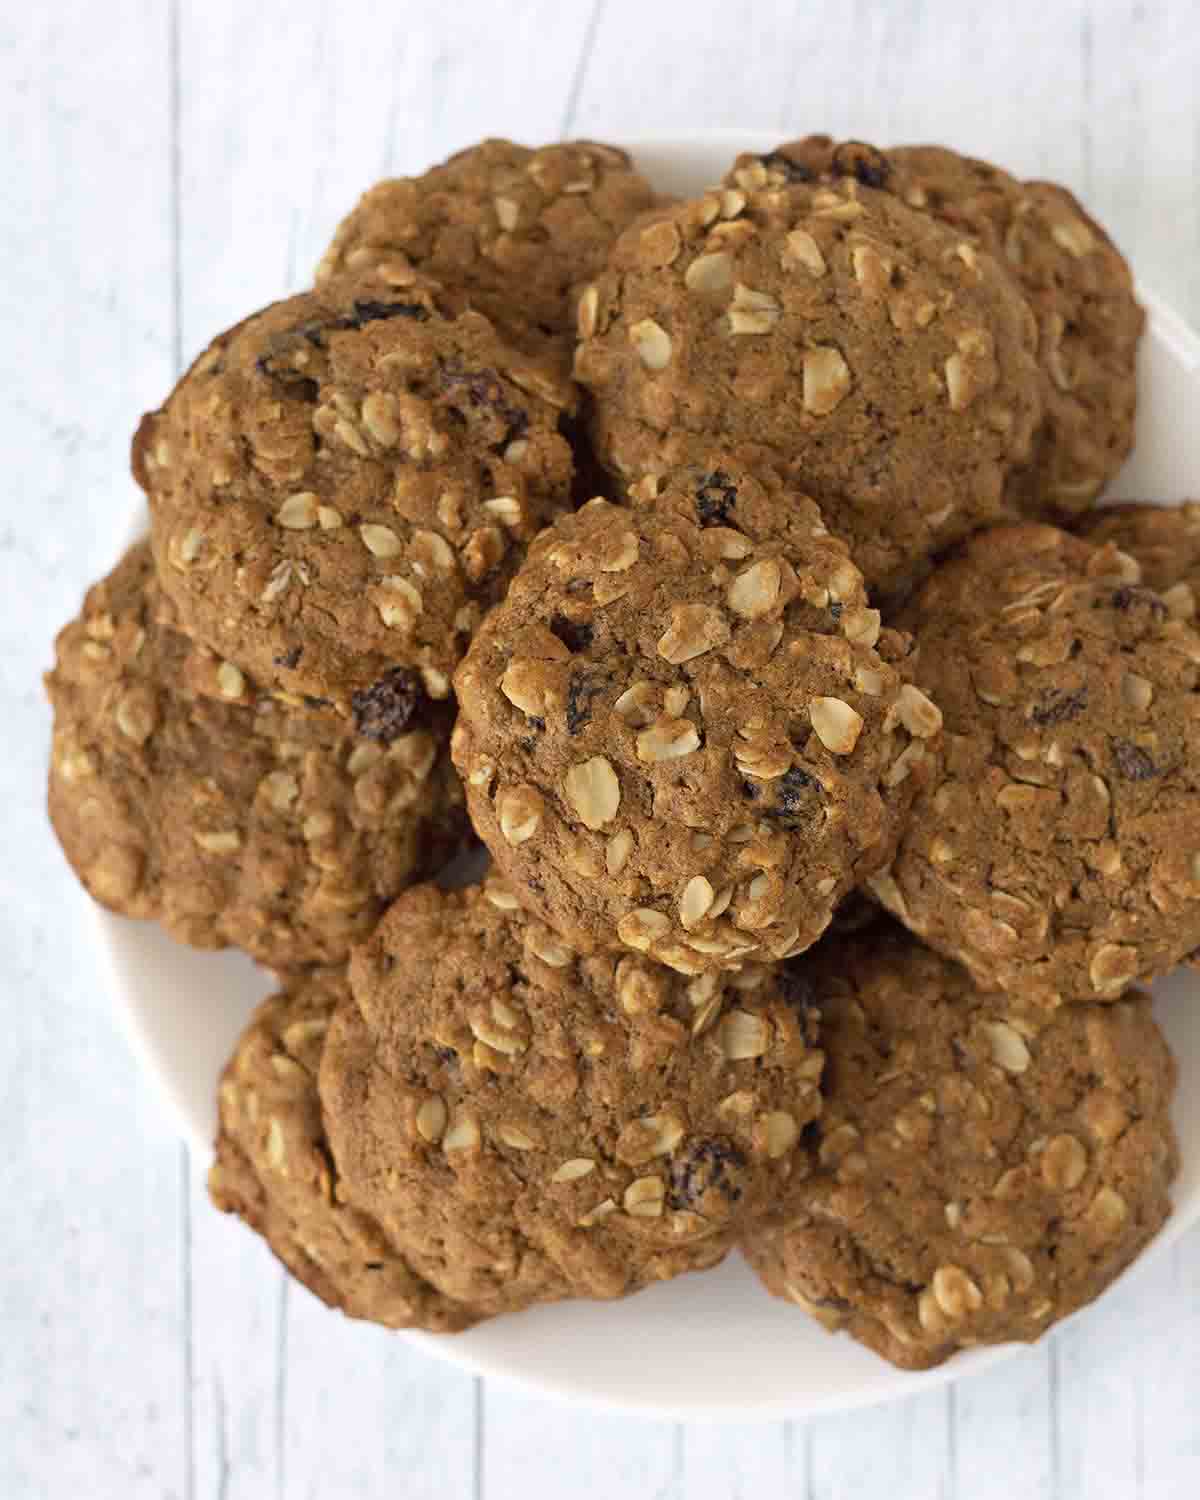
(704, 560)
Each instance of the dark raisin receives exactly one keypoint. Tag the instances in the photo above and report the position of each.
(314, 331)
(535, 723)
(1133, 762)
(1127, 596)
(484, 389)
(581, 689)
(794, 171)
(387, 707)
(1058, 707)
(705, 1164)
(291, 658)
(716, 496)
(750, 791)
(518, 425)
(444, 1055)
(856, 159)
(796, 792)
(796, 990)
(576, 635)
(835, 610)
(368, 311)
(303, 387)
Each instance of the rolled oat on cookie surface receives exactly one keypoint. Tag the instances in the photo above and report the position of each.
(274, 1170)
(1076, 281)
(683, 732)
(882, 359)
(183, 792)
(527, 1124)
(1056, 851)
(513, 228)
(981, 1176)
(344, 482)
(1164, 540)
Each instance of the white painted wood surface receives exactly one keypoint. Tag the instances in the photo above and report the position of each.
(166, 167)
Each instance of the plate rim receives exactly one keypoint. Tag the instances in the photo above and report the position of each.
(1184, 343)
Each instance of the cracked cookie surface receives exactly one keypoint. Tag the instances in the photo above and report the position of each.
(1076, 281)
(274, 1170)
(341, 484)
(1055, 852)
(180, 792)
(526, 1124)
(514, 228)
(677, 733)
(879, 356)
(979, 1177)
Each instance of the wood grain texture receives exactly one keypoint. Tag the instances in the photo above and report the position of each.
(529, 1448)
(903, 1452)
(736, 1462)
(170, 166)
(92, 1308)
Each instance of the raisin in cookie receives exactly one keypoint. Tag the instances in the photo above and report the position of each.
(273, 1169)
(676, 731)
(1164, 540)
(879, 356)
(513, 228)
(1056, 852)
(1076, 280)
(179, 792)
(979, 1178)
(525, 1124)
(342, 483)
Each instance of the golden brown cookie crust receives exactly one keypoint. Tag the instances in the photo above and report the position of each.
(1164, 540)
(513, 228)
(884, 359)
(527, 1124)
(1053, 853)
(980, 1177)
(676, 733)
(274, 1170)
(182, 793)
(342, 483)
(1076, 280)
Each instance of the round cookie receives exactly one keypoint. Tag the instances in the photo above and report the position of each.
(676, 732)
(273, 1169)
(1164, 540)
(877, 355)
(1076, 280)
(513, 228)
(526, 1125)
(1056, 851)
(340, 485)
(180, 793)
(979, 1178)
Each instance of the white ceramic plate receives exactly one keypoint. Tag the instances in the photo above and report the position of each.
(713, 1347)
